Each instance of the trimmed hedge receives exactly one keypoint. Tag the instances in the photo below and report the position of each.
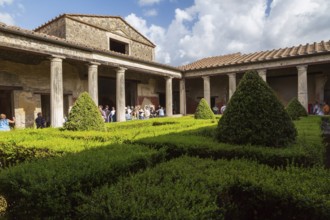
(84, 115)
(191, 188)
(255, 116)
(53, 188)
(308, 151)
(203, 110)
(295, 109)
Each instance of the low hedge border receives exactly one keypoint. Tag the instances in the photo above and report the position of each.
(54, 187)
(193, 188)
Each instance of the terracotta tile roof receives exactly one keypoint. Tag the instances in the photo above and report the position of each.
(90, 15)
(238, 58)
(60, 41)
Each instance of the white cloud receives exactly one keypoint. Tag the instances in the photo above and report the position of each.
(8, 2)
(216, 27)
(151, 13)
(148, 2)
(6, 18)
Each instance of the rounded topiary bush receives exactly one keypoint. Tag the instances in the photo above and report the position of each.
(84, 115)
(295, 109)
(255, 116)
(203, 110)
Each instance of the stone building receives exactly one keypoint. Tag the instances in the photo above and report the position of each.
(46, 69)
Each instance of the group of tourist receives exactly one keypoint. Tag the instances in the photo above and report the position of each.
(320, 108)
(215, 109)
(132, 113)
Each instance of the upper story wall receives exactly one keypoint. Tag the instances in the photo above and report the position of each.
(96, 31)
(55, 28)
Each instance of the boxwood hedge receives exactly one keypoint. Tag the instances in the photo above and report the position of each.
(53, 187)
(191, 188)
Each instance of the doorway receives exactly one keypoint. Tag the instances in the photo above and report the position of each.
(6, 103)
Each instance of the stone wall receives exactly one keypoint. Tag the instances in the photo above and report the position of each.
(116, 26)
(87, 35)
(98, 38)
(56, 28)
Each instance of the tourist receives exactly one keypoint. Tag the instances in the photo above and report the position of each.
(317, 110)
(161, 112)
(141, 113)
(40, 121)
(223, 109)
(326, 108)
(102, 112)
(112, 115)
(146, 112)
(107, 113)
(215, 109)
(4, 122)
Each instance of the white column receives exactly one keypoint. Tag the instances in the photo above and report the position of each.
(56, 91)
(169, 94)
(93, 82)
(120, 94)
(232, 84)
(263, 74)
(302, 86)
(207, 89)
(183, 96)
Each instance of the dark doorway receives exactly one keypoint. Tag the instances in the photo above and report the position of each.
(45, 108)
(213, 101)
(327, 92)
(6, 106)
(162, 99)
(176, 102)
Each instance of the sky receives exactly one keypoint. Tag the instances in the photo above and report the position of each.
(187, 30)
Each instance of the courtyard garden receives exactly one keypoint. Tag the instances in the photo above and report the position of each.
(169, 168)
(162, 169)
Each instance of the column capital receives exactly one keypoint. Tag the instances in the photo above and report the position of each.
(56, 58)
(231, 74)
(168, 77)
(93, 63)
(302, 67)
(121, 69)
(261, 70)
(206, 77)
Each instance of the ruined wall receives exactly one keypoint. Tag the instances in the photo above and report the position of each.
(32, 81)
(55, 28)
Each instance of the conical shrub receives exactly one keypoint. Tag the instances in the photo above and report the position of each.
(203, 110)
(84, 115)
(255, 116)
(295, 109)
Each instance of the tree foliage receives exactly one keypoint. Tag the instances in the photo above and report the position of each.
(84, 115)
(255, 116)
(203, 110)
(295, 109)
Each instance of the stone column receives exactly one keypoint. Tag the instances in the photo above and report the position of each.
(120, 94)
(302, 85)
(93, 82)
(232, 84)
(169, 94)
(207, 89)
(263, 74)
(183, 102)
(56, 91)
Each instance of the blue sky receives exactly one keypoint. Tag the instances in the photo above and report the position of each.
(187, 30)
